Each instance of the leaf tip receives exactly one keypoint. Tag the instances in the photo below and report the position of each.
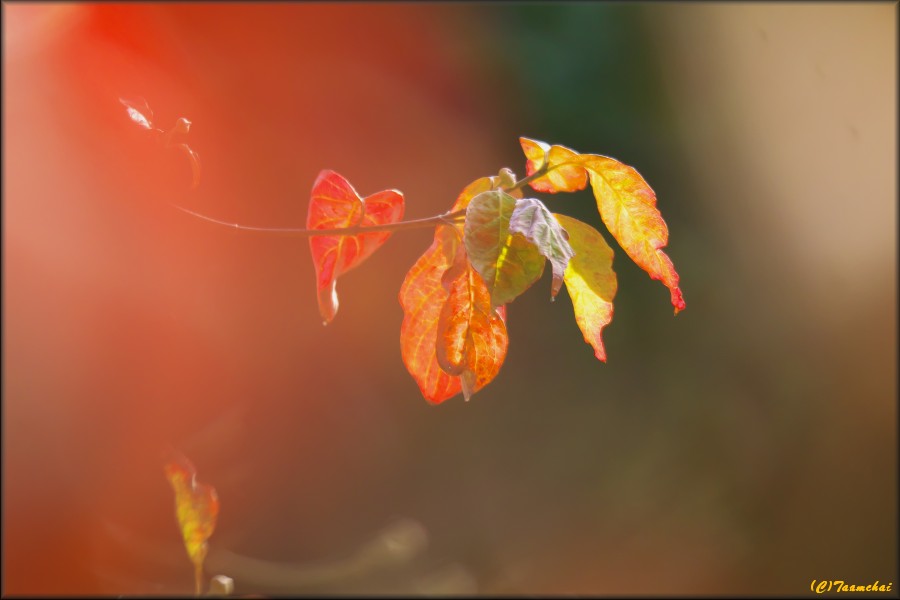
(678, 300)
(328, 302)
(556, 285)
(533, 143)
(468, 383)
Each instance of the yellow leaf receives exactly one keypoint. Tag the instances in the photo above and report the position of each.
(196, 508)
(590, 281)
(627, 206)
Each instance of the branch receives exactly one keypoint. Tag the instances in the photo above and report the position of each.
(449, 218)
(444, 219)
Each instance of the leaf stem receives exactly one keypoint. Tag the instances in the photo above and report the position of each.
(443, 219)
(449, 218)
(526, 180)
(198, 579)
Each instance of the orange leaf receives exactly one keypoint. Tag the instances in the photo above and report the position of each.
(627, 206)
(471, 336)
(196, 508)
(336, 205)
(423, 296)
(565, 171)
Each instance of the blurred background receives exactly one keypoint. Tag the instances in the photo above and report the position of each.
(747, 446)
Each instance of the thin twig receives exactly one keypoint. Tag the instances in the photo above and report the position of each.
(449, 218)
(444, 219)
(526, 180)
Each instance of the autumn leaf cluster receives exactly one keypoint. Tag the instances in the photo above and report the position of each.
(488, 249)
(492, 245)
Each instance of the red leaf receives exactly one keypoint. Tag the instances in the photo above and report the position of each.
(336, 205)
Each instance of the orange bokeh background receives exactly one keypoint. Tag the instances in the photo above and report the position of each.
(130, 326)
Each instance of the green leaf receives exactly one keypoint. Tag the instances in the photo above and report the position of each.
(508, 263)
(534, 221)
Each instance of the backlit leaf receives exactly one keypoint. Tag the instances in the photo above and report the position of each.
(471, 335)
(336, 205)
(196, 509)
(424, 295)
(565, 172)
(507, 262)
(590, 281)
(532, 219)
(627, 204)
